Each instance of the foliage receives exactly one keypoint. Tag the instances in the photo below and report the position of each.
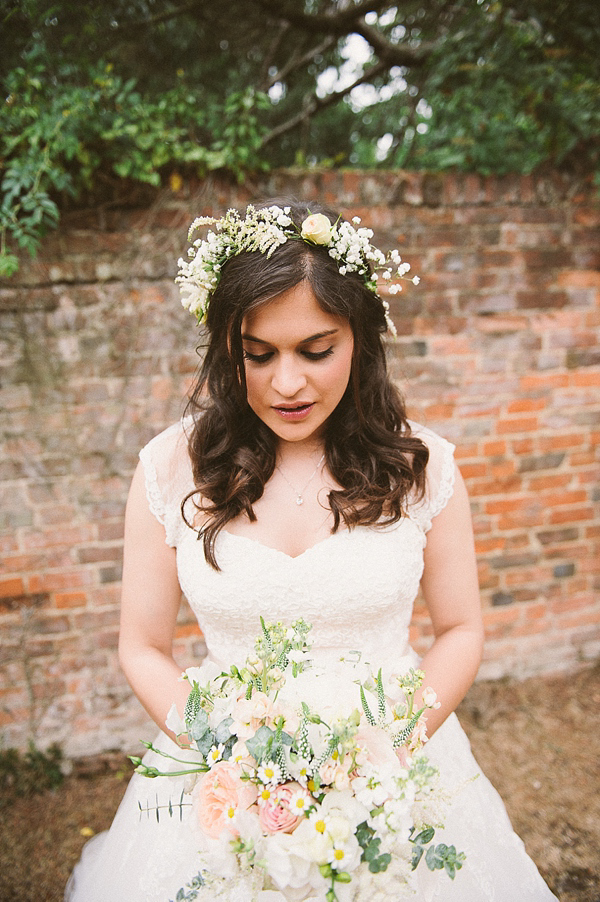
(31, 772)
(60, 133)
(148, 89)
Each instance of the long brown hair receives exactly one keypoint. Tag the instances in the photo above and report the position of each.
(369, 448)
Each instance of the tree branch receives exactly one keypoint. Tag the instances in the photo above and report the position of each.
(329, 23)
(162, 17)
(350, 21)
(316, 104)
(393, 54)
(296, 62)
(266, 81)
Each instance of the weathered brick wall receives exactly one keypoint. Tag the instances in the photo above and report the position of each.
(498, 350)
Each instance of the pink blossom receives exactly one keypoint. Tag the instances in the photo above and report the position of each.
(218, 795)
(275, 815)
(377, 745)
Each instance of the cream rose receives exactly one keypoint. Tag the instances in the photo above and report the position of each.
(317, 228)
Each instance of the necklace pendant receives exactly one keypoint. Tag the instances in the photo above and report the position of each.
(299, 500)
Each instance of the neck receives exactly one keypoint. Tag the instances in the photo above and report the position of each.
(297, 452)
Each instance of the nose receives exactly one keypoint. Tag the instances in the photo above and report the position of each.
(288, 377)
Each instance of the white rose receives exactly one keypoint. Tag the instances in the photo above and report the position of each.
(316, 228)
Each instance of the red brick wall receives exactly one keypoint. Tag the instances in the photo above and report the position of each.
(498, 350)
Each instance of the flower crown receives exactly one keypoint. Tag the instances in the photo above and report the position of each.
(265, 230)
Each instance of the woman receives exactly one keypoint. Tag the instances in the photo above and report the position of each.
(311, 495)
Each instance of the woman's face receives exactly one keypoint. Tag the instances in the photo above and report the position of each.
(297, 360)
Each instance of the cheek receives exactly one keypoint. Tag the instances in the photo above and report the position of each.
(254, 387)
(339, 375)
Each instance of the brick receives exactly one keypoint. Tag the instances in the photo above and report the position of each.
(557, 442)
(526, 405)
(572, 515)
(517, 424)
(549, 461)
(70, 599)
(11, 587)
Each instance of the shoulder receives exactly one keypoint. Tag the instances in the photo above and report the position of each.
(441, 474)
(438, 446)
(168, 473)
(169, 442)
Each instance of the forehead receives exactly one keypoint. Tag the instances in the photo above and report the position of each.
(293, 315)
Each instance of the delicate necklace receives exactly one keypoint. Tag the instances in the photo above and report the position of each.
(299, 494)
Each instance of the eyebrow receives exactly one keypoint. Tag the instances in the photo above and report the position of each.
(247, 337)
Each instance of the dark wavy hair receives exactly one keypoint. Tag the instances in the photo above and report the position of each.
(369, 448)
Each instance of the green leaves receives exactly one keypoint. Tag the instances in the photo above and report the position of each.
(440, 857)
(265, 744)
(371, 853)
(61, 127)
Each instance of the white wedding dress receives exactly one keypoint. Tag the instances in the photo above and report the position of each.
(357, 588)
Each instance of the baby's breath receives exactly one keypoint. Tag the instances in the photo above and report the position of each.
(267, 229)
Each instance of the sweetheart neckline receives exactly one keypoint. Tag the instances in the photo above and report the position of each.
(359, 529)
(289, 557)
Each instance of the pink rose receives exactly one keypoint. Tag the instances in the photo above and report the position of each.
(218, 795)
(275, 815)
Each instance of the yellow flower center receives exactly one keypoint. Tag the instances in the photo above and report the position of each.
(338, 854)
(320, 826)
(265, 794)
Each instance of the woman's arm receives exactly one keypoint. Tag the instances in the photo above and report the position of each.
(150, 601)
(451, 593)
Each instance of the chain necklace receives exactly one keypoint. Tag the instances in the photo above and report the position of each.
(299, 494)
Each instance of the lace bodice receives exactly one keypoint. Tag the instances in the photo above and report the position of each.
(356, 587)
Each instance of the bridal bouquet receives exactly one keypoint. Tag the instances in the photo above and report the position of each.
(308, 784)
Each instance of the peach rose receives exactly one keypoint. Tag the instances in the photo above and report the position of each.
(275, 815)
(317, 228)
(218, 795)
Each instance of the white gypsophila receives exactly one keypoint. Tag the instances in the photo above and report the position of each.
(264, 231)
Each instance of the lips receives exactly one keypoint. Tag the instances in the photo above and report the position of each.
(294, 412)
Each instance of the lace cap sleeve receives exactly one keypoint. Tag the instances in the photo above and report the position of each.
(440, 477)
(168, 478)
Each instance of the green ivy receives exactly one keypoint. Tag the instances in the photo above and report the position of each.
(59, 130)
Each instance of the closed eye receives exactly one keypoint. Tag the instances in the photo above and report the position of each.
(309, 355)
(258, 358)
(318, 355)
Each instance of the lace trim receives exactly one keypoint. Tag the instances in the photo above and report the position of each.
(155, 499)
(446, 487)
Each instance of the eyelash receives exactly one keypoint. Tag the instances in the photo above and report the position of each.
(310, 355)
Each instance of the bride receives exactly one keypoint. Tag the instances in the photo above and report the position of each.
(296, 486)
